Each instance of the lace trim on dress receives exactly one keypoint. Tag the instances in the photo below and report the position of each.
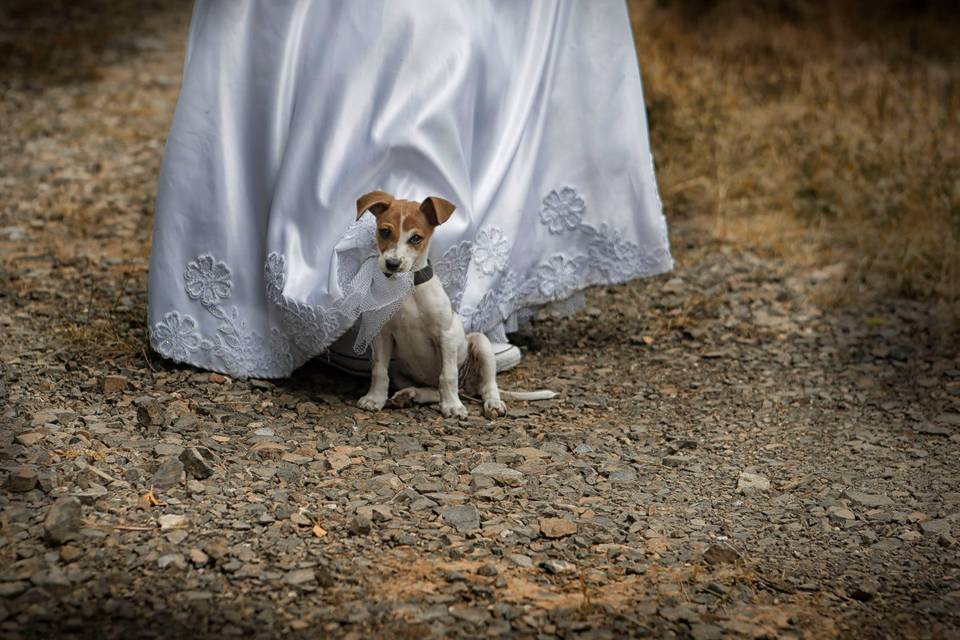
(306, 330)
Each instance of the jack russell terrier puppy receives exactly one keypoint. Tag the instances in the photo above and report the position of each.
(425, 337)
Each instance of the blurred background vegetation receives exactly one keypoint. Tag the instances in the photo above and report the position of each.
(826, 132)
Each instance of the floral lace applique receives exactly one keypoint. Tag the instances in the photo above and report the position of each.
(562, 210)
(491, 250)
(176, 336)
(452, 268)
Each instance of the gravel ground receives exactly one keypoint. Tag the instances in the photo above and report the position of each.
(726, 458)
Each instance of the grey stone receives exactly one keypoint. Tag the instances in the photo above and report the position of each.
(300, 576)
(62, 522)
(721, 554)
(866, 499)
(556, 567)
(195, 464)
(936, 527)
(500, 473)
(175, 560)
(463, 517)
(21, 480)
(865, 589)
(751, 483)
(839, 513)
(168, 475)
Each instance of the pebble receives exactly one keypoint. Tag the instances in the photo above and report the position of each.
(721, 554)
(21, 480)
(557, 527)
(865, 589)
(198, 557)
(500, 473)
(936, 527)
(114, 384)
(464, 518)
(840, 513)
(168, 475)
(195, 464)
(62, 522)
(300, 576)
(520, 560)
(172, 521)
(175, 560)
(752, 483)
(556, 567)
(867, 500)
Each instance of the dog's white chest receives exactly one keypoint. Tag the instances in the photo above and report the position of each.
(421, 329)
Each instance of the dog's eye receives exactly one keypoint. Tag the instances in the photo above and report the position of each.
(415, 239)
(384, 233)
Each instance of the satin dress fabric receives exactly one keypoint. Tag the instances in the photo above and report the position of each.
(528, 116)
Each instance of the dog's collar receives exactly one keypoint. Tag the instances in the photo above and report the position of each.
(423, 275)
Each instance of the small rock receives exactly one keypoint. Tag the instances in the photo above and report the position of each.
(63, 520)
(677, 461)
(195, 464)
(172, 521)
(150, 415)
(488, 570)
(721, 554)
(174, 560)
(557, 527)
(70, 553)
(520, 560)
(463, 518)
(556, 567)
(361, 525)
(935, 430)
(500, 473)
(300, 576)
(474, 615)
(936, 527)
(114, 384)
(839, 513)
(865, 590)
(751, 483)
(866, 499)
(13, 589)
(92, 494)
(29, 439)
(910, 535)
(167, 449)
(198, 557)
(21, 480)
(168, 475)
(706, 631)
(176, 536)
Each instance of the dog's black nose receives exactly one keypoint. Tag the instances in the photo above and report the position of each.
(392, 263)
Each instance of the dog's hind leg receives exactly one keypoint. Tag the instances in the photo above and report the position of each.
(483, 365)
(414, 395)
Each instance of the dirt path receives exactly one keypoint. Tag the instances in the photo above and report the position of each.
(726, 458)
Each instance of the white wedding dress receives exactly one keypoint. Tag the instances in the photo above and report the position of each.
(527, 115)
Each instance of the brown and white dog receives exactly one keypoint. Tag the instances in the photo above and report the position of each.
(425, 337)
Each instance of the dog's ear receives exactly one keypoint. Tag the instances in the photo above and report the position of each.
(437, 210)
(376, 202)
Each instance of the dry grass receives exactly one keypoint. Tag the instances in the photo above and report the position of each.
(823, 132)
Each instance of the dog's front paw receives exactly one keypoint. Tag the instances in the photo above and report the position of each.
(454, 410)
(494, 408)
(403, 398)
(371, 402)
